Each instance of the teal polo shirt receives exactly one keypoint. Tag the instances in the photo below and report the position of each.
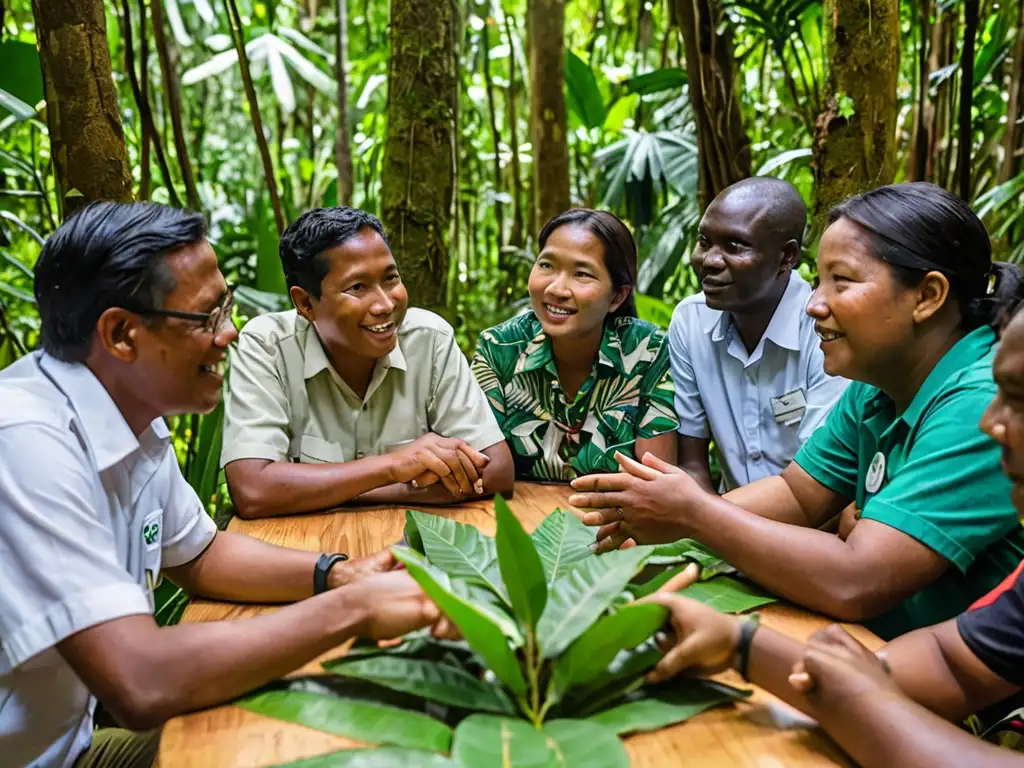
(941, 484)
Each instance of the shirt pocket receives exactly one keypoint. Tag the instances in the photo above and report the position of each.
(316, 450)
(151, 536)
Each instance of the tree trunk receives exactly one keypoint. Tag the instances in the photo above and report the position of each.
(512, 118)
(492, 115)
(722, 143)
(966, 135)
(146, 173)
(86, 135)
(169, 67)
(416, 181)
(1011, 140)
(546, 23)
(342, 142)
(919, 140)
(855, 135)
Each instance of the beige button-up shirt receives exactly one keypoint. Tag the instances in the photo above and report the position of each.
(286, 402)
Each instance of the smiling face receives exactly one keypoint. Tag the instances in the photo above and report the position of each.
(362, 300)
(864, 317)
(180, 364)
(1004, 419)
(570, 287)
(739, 258)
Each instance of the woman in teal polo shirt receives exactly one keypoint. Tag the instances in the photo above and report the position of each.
(579, 377)
(906, 307)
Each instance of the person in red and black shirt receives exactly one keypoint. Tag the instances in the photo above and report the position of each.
(895, 707)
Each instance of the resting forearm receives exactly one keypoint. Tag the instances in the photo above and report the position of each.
(809, 567)
(770, 498)
(887, 729)
(242, 569)
(191, 666)
(284, 488)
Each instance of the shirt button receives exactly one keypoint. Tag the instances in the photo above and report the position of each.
(756, 455)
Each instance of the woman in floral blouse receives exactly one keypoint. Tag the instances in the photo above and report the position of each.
(579, 377)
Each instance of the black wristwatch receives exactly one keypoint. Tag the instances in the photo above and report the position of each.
(748, 626)
(323, 567)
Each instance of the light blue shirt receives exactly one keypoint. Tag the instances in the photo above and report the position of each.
(726, 394)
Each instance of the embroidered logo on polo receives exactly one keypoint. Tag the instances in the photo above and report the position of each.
(151, 533)
(876, 474)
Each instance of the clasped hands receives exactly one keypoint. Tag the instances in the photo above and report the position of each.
(432, 458)
(645, 503)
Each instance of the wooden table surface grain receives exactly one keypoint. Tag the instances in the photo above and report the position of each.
(230, 737)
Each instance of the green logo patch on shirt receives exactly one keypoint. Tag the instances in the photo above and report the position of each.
(151, 533)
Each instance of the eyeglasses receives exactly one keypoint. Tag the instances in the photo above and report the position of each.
(213, 322)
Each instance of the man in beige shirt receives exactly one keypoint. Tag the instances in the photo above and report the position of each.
(352, 396)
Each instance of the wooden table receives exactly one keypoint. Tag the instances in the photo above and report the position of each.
(227, 736)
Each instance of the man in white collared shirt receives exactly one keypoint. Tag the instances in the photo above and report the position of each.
(135, 319)
(745, 357)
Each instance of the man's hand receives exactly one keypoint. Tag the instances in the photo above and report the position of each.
(836, 669)
(359, 568)
(391, 604)
(703, 641)
(431, 457)
(644, 503)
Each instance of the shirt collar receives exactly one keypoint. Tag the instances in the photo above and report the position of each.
(108, 434)
(315, 358)
(784, 327)
(538, 354)
(970, 349)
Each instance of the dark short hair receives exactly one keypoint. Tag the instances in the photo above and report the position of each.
(316, 231)
(619, 248)
(919, 227)
(107, 255)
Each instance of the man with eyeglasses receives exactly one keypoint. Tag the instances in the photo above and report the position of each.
(135, 324)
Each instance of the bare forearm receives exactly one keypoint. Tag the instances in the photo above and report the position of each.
(192, 666)
(887, 729)
(770, 498)
(242, 569)
(814, 569)
(284, 488)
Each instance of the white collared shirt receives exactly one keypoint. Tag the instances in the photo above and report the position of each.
(88, 516)
(726, 394)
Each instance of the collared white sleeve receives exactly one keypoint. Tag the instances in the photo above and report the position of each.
(59, 569)
(823, 391)
(187, 528)
(256, 409)
(693, 419)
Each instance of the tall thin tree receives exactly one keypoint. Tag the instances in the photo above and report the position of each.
(342, 142)
(87, 143)
(417, 179)
(548, 117)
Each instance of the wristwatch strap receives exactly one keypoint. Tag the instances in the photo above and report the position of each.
(323, 566)
(748, 626)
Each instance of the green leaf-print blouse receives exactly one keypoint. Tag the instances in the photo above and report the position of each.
(628, 394)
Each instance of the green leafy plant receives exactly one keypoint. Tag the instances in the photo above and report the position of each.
(552, 662)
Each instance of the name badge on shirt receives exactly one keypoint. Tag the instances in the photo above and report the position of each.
(789, 408)
(152, 539)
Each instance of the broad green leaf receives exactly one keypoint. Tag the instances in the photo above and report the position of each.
(412, 533)
(583, 594)
(686, 550)
(582, 94)
(783, 158)
(520, 565)
(669, 705)
(481, 632)
(459, 549)
(562, 540)
(486, 740)
(372, 723)
(21, 78)
(429, 679)
(728, 594)
(656, 81)
(380, 757)
(653, 311)
(595, 649)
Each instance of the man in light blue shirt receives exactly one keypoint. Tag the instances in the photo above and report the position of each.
(745, 358)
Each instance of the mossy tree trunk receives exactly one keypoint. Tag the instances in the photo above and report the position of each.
(548, 119)
(416, 182)
(86, 136)
(855, 135)
(722, 143)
